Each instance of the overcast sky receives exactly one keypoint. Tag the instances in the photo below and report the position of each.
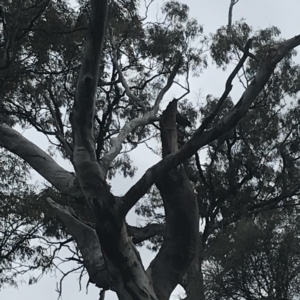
(211, 14)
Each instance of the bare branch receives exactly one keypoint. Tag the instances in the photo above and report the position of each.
(134, 99)
(87, 241)
(150, 116)
(140, 234)
(228, 88)
(39, 160)
(234, 37)
(102, 294)
(116, 142)
(147, 9)
(58, 125)
(169, 82)
(256, 208)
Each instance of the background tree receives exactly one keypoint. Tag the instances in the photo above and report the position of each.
(256, 259)
(94, 98)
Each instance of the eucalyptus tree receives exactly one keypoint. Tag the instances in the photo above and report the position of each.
(257, 258)
(93, 81)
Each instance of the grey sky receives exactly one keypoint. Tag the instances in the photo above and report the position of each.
(212, 14)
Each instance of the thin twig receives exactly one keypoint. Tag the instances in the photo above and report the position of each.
(236, 40)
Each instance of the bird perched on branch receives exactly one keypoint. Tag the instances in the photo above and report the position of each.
(182, 123)
(182, 120)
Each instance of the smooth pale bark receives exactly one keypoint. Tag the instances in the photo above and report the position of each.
(40, 161)
(87, 242)
(127, 275)
(147, 118)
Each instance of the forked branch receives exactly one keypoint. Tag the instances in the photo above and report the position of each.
(228, 88)
(87, 241)
(236, 40)
(199, 139)
(149, 116)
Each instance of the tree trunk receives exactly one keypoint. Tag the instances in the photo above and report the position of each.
(181, 211)
(194, 279)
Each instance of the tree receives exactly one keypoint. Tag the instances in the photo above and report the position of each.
(31, 239)
(259, 259)
(92, 104)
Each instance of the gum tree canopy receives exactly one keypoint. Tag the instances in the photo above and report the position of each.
(93, 79)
